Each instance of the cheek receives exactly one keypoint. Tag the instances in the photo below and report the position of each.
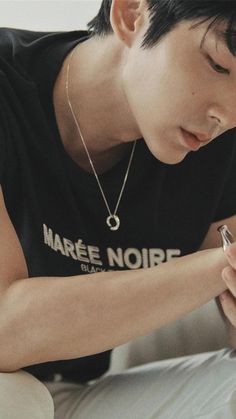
(163, 91)
(147, 91)
(158, 103)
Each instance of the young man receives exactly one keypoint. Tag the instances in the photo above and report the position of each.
(117, 154)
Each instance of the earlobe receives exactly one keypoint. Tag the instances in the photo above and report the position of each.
(126, 19)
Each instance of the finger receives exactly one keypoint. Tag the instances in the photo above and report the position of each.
(230, 253)
(229, 276)
(228, 304)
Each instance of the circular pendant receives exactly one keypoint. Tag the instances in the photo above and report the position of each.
(113, 222)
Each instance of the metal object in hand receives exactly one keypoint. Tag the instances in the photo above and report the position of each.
(226, 236)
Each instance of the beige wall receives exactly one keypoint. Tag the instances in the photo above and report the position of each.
(48, 15)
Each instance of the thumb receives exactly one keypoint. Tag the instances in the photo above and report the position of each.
(230, 253)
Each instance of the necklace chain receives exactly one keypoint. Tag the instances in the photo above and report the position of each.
(112, 217)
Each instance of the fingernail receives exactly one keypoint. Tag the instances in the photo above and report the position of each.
(228, 251)
(227, 275)
(224, 275)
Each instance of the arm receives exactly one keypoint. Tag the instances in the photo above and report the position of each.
(68, 317)
(212, 240)
(46, 319)
(12, 262)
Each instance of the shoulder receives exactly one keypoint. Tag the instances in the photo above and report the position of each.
(24, 50)
(16, 46)
(12, 40)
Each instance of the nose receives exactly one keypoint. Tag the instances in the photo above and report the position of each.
(222, 118)
(216, 128)
(217, 122)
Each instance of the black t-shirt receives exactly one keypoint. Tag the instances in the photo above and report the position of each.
(56, 207)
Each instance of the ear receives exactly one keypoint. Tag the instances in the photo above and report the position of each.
(127, 17)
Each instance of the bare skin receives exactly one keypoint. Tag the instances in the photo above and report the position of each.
(120, 92)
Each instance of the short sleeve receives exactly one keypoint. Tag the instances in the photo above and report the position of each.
(227, 202)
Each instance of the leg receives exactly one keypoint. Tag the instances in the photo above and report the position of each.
(199, 386)
(22, 396)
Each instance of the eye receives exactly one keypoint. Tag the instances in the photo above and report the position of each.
(218, 68)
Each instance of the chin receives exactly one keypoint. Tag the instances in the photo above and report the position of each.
(168, 157)
(173, 160)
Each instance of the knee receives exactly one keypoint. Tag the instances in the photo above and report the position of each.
(22, 396)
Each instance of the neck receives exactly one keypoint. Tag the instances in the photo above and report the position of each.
(98, 101)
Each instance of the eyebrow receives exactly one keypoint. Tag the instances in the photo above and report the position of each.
(219, 37)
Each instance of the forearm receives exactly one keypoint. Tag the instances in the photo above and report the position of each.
(48, 319)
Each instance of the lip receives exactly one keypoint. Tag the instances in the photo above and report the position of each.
(203, 138)
(190, 140)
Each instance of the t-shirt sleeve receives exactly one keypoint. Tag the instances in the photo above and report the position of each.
(227, 202)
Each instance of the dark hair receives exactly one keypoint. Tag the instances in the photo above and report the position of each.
(165, 14)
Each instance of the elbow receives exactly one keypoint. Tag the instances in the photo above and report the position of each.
(5, 368)
(9, 331)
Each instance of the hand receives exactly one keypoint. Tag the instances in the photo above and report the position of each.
(228, 297)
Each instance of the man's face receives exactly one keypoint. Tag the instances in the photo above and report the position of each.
(177, 84)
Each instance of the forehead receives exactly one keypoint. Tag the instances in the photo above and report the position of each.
(216, 32)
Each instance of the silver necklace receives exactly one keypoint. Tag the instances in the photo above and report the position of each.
(113, 221)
